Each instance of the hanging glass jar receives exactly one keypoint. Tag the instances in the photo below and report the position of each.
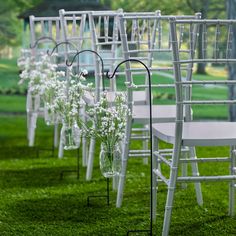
(49, 116)
(71, 135)
(110, 160)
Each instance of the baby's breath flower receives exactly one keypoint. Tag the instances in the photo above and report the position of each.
(109, 120)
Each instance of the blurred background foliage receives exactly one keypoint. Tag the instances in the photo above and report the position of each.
(11, 26)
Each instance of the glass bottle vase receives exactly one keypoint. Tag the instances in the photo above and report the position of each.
(71, 135)
(110, 160)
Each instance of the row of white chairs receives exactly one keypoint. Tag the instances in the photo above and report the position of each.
(148, 37)
(216, 41)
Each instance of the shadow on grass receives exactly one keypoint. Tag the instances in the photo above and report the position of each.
(65, 207)
(35, 177)
(71, 209)
(203, 226)
(20, 152)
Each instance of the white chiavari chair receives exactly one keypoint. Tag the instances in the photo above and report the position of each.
(104, 33)
(106, 41)
(216, 41)
(75, 30)
(45, 32)
(157, 43)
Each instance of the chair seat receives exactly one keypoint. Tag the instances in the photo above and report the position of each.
(139, 97)
(160, 113)
(199, 133)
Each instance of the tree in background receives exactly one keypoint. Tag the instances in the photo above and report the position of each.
(231, 11)
(10, 26)
(145, 5)
(209, 9)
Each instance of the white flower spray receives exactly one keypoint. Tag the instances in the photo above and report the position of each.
(109, 119)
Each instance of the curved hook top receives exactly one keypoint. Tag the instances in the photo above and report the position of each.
(94, 52)
(40, 39)
(80, 52)
(58, 44)
(128, 60)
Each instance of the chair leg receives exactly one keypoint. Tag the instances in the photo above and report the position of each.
(33, 121)
(154, 179)
(29, 113)
(56, 127)
(84, 140)
(195, 172)
(184, 169)
(171, 190)
(125, 155)
(232, 183)
(84, 151)
(28, 124)
(61, 146)
(90, 159)
(115, 182)
(145, 146)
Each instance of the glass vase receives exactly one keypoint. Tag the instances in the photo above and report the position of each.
(71, 135)
(110, 161)
(49, 116)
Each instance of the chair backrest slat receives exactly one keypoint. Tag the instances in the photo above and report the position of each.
(229, 41)
(44, 33)
(215, 37)
(105, 41)
(147, 38)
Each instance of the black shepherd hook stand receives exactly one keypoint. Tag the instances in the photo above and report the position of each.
(55, 49)
(91, 51)
(38, 41)
(77, 170)
(107, 196)
(59, 44)
(149, 231)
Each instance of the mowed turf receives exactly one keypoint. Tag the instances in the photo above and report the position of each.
(35, 201)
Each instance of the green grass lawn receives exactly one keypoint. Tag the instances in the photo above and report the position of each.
(9, 77)
(34, 201)
(13, 103)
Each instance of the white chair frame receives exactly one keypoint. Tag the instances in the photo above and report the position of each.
(114, 42)
(161, 113)
(198, 133)
(50, 28)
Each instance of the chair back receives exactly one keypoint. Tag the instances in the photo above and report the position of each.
(146, 37)
(77, 28)
(105, 41)
(215, 38)
(45, 32)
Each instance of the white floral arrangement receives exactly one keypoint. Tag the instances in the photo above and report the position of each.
(67, 95)
(67, 101)
(23, 60)
(109, 119)
(36, 72)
